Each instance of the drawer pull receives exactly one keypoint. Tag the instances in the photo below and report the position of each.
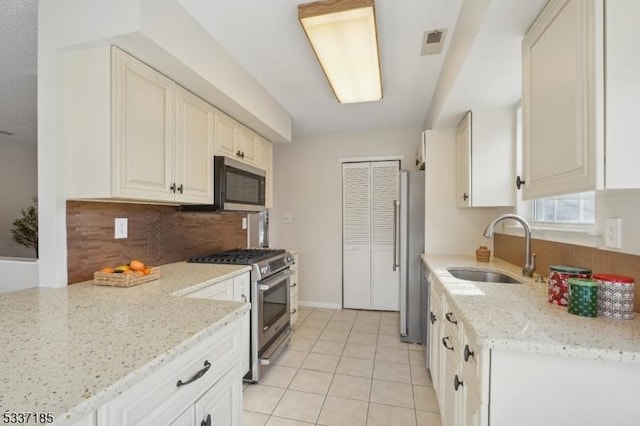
(199, 374)
(457, 383)
(244, 298)
(444, 342)
(468, 353)
(207, 421)
(449, 317)
(294, 311)
(433, 318)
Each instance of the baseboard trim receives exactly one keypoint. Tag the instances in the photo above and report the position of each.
(319, 305)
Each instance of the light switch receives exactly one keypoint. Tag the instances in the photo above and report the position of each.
(286, 218)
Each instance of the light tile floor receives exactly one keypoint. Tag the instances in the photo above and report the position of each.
(344, 367)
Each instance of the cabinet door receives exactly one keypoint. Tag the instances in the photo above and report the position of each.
(143, 130)
(264, 161)
(471, 408)
(453, 399)
(562, 100)
(463, 167)
(185, 419)
(434, 348)
(246, 144)
(222, 404)
(225, 143)
(194, 148)
(241, 288)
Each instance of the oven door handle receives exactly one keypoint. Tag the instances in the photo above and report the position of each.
(268, 283)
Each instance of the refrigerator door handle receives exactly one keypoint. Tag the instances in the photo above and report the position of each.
(396, 226)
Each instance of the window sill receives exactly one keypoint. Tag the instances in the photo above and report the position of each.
(586, 236)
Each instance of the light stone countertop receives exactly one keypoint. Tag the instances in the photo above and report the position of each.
(518, 316)
(70, 350)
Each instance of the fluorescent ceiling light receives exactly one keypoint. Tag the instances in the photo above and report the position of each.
(344, 38)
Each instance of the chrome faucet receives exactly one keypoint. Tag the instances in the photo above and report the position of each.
(529, 258)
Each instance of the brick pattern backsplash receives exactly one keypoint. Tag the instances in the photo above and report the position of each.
(511, 249)
(156, 235)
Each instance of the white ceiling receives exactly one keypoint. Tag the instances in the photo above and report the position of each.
(267, 40)
(18, 73)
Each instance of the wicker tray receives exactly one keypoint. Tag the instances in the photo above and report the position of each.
(124, 280)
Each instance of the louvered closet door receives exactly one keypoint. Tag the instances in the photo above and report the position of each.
(385, 282)
(356, 235)
(369, 191)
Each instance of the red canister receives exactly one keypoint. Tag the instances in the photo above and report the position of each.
(558, 293)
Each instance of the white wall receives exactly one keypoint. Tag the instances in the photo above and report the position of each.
(18, 274)
(623, 204)
(449, 229)
(308, 185)
(18, 172)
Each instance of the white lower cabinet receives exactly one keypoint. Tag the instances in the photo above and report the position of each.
(205, 372)
(221, 405)
(293, 292)
(458, 365)
(236, 289)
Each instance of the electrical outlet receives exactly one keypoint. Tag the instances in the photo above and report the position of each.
(121, 227)
(244, 223)
(612, 232)
(286, 218)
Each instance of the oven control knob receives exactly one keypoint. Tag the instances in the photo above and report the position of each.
(264, 270)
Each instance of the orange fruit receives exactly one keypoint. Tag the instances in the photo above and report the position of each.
(108, 270)
(136, 265)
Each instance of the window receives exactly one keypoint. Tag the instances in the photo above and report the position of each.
(571, 209)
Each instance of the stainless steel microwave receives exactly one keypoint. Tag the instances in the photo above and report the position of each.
(236, 187)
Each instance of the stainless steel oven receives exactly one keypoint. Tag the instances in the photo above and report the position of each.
(270, 304)
(273, 306)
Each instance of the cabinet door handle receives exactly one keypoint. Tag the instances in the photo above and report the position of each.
(242, 154)
(239, 153)
(207, 421)
(293, 285)
(449, 317)
(294, 311)
(465, 197)
(444, 342)
(199, 374)
(172, 188)
(433, 318)
(457, 383)
(468, 353)
(244, 298)
(519, 182)
(180, 188)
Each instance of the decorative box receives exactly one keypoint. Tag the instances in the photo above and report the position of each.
(558, 293)
(615, 296)
(583, 297)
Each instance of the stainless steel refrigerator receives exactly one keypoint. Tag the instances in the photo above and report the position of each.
(411, 245)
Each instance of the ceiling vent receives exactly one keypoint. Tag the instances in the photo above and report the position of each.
(433, 41)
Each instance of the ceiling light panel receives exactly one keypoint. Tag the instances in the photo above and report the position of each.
(345, 43)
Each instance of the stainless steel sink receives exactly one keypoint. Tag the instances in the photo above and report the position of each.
(482, 275)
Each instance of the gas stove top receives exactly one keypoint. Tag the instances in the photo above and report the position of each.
(238, 256)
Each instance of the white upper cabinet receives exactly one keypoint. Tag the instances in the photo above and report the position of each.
(194, 147)
(264, 161)
(235, 140)
(133, 134)
(485, 150)
(578, 104)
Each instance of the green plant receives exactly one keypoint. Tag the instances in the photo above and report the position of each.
(25, 228)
